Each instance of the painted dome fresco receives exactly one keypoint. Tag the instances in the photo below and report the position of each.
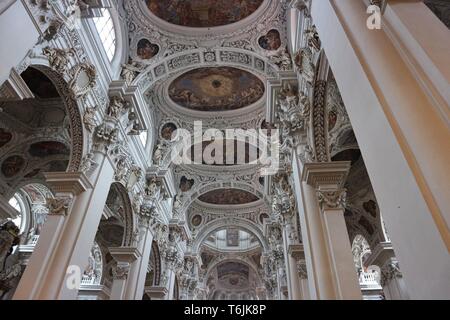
(228, 197)
(216, 89)
(203, 13)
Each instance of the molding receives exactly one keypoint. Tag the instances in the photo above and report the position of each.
(125, 254)
(68, 182)
(326, 174)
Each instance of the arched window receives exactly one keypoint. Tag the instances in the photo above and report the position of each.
(105, 29)
(16, 203)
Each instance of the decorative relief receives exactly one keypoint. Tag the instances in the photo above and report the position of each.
(182, 61)
(305, 66)
(301, 5)
(89, 118)
(320, 141)
(130, 71)
(120, 271)
(282, 59)
(88, 163)
(58, 58)
(332, 199)
(390, 271)
(235, 57)
(59, 206)
(301, 269)
(83, 80)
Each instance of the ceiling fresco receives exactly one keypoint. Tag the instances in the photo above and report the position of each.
(203, 13)
(48, 148)
(146, 50)
(233, 275)
(5, 137)
(12, 166)
(228, 197)
(216, 89)
(271, 41)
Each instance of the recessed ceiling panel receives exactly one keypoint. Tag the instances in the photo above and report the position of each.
(228, 197)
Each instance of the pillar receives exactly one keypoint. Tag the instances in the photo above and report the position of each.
(55, 269)
(331, 272)
(138, 269)
(395, 84)
(392, 281)
(124, 257)
(293, 282)
(298, 272)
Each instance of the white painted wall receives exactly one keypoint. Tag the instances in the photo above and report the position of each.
(17, 35)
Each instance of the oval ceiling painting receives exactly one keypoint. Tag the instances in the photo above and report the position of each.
(216, 89)
(228, 197)
(203, 13)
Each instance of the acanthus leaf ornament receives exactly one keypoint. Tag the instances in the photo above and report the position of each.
(389, 271)
(120, 271)
(320, 141)
(59, 206)
(301, 269)
(332, 199)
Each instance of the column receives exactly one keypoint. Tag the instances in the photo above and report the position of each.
(124, 257)
(61, 254)
(303, 275)
(298, 272)
(392, 281)
(331, 271)
(395, 84)
(138, 270)
(293, 282)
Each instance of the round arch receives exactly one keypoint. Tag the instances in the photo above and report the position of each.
(128, 216)
(78, 137)
(222, 223)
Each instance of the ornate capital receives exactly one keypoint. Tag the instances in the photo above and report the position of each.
(331, 199)
(390, 271)
(301, 269)
(59, 206)
(121, 270)
(379, 3)
(301, 5)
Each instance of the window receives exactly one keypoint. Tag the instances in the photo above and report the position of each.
(143, 137)
(14, 202)
(105, 29)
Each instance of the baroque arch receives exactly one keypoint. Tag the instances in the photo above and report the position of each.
(222, 223)
(74, 111)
